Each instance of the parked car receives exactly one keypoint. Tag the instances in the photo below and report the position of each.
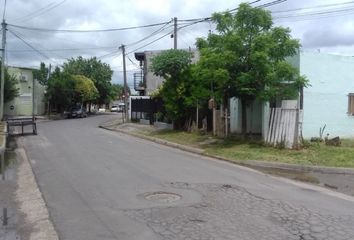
(114, 108)
(121, 107)
(77, 111)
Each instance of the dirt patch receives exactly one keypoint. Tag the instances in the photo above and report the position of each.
(343, 183)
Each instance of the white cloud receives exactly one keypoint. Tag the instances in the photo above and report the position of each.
(329, 34)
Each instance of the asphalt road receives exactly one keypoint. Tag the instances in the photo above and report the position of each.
(102, 185)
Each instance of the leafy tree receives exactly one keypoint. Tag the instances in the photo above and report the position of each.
(175, 67)
(100, 73)
(61, 89)
(246, 58)
(85, 89)
(10, 87)
(41, 74)
(118, 91)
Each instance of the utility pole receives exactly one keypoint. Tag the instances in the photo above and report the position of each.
(3, 25)
(33, 99)
(48, 76)
(125, 83)
(175, 33)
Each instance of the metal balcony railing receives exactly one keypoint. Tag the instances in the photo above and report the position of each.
(139, 84)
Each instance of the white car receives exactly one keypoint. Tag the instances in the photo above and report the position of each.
(114, 108)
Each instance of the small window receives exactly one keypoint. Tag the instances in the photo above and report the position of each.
(351, 104)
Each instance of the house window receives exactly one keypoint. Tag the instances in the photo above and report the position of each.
(351, 104)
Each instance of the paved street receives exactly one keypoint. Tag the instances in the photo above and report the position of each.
(102, 185)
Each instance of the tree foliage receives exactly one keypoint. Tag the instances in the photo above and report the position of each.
(10, 87)
(61, 89)
(41, 74)
(246, 58)
(117, 91)
(175, 67)
(84, 88)
(100, 73)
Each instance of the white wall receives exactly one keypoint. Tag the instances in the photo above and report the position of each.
(326, 101)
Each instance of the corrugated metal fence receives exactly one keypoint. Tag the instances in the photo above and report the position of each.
(285, 125)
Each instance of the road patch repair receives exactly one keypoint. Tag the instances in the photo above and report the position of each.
(333, 178)
(231, 212)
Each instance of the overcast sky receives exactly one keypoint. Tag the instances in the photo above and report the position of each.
(320, 25)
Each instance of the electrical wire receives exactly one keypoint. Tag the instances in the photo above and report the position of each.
(86, 31)
(134, 63)
(29, 45)
(169, 33)
(271, 4)
(63, 49)
(111, 54)
(316, 14)
(39, 12)
(313, 7)
(64, 38)
(152, 34)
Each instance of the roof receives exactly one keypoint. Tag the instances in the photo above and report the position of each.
(24, 68)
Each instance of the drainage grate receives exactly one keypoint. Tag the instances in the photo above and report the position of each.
(162, 197)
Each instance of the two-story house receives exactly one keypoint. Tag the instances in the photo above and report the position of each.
(31, 94)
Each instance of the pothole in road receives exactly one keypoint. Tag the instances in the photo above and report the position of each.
(162, 197)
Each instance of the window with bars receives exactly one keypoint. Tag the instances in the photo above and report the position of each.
(351, 104)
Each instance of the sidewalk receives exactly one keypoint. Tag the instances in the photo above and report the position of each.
(339, 179)
(23, 213)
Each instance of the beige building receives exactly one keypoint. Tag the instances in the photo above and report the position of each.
(31, 94)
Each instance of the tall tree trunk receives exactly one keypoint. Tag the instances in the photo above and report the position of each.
(244, 116)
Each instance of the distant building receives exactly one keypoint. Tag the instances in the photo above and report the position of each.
(145, 82)
(25, 104)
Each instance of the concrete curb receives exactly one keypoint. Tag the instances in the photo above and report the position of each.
(247, 163)
(36, 223)
(4, 136)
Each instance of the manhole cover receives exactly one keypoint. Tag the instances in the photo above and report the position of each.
(162, 197)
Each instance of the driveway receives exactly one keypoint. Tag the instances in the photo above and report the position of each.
(105, 185)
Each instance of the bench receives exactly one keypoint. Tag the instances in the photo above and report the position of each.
(21, 122)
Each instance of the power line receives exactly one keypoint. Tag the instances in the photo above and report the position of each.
(87, 31)
(169, 33)
(62, 49)
(29, 45)
(111, 54)
(271, 4)
(313, 7)
(134, 63)
(40, 12)
(152, 34)
(320, 14)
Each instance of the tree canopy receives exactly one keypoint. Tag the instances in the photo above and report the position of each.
(41, 74)
(118, 91)
(10, 87)
(246, 58)
(100, 73)
(175, 67)
(61, 89)
(84, 88)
